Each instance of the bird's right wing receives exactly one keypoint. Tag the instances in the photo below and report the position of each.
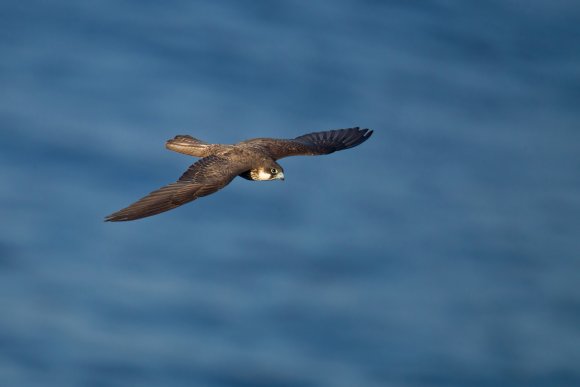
(318, 143)
(203, 178)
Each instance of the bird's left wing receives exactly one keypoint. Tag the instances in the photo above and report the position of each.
(312, 144)
(203, 178)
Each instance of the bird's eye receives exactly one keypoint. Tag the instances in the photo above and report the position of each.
(274, 171)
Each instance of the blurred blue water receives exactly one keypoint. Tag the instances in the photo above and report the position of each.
(442, 252)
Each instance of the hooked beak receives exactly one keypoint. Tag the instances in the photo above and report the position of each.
(280, 176)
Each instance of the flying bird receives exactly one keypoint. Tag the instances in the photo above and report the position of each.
(253, 159)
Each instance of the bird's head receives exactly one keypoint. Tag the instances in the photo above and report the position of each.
(268, 171)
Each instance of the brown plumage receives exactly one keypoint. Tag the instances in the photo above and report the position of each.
(253, 159)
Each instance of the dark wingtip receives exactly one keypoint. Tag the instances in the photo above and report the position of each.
(112, 218)
(366, 133)
(123, 218)
(358, 136)
(118, 217)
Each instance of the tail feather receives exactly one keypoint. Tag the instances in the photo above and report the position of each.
(188, 145)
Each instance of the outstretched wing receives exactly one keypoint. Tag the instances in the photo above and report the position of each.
(203, 178)
(318, 143)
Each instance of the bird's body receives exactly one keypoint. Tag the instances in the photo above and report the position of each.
(253, 159)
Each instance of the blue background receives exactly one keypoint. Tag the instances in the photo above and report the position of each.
(442, 252)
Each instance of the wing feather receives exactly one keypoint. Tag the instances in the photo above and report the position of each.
(311, 144)
(203, 178)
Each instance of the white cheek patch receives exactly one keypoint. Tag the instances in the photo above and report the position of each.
(263, 175)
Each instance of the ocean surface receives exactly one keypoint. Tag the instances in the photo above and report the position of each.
(444, 251)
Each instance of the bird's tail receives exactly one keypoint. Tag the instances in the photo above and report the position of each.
(188, 145)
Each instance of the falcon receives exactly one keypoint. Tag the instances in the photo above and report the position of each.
(253, 159)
